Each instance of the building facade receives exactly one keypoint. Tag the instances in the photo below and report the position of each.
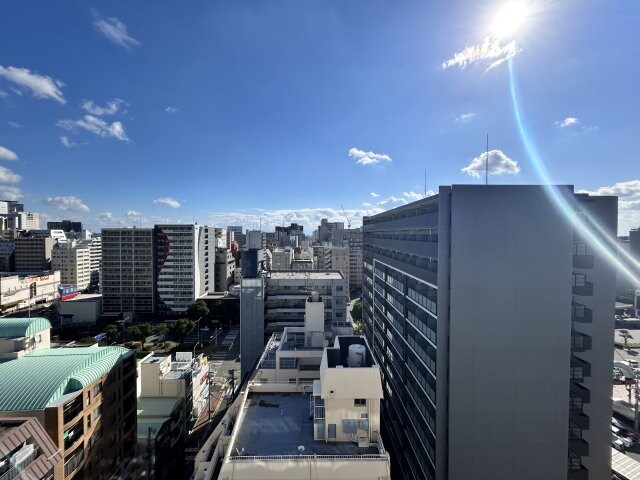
(470, 356)
(128, 271)
(19, 291)
(33, 254)
(73, 260)
(225, 264)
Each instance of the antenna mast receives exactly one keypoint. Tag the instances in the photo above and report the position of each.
(486, 169)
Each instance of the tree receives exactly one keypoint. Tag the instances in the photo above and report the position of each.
(197, 310)
(135, 332)
(112, 333)
(180, 329)
(87, 340)
(163, 330)
(625, 336)
(146, 330)
(356, 311)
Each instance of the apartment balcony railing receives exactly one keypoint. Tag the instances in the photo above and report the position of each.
(19, 466)
(581, 314)
(585, 290)
(72, 410)
(583, 261)
(579, 418)
(580, 342)
(579, 447)
(580, 392)
(73, 463)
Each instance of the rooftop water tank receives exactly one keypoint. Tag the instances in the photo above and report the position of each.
(356, 355)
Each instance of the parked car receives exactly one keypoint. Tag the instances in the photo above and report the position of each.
(618, 433)
(617, 443)
(621, 430)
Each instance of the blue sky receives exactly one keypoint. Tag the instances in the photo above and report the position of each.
(121, 113)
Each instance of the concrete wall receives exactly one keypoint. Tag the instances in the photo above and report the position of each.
(251, 323)
(509, 335)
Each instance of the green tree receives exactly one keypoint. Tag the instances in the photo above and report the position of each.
(356, 311)
(180, 329)
(135, 332)
(112, 333)
(198, 309)
(87, 340)
(163, 330)
(146, 330)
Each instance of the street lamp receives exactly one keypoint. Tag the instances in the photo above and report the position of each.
(194, 350)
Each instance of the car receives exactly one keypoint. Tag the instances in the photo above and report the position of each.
(617, 423)
(617, 443)
(619, 433)
(622, 431)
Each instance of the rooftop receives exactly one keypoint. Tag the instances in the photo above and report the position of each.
(278, 423)
(157, 406)
(85, 297)
(22, 327)
(40, 378)
(307, 274)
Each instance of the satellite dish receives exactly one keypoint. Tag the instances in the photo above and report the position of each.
(300, 449)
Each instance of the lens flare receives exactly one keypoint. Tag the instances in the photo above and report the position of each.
(603, 242)
(509, 19)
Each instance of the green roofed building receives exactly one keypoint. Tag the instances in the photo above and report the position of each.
(19, 336)
(85, 398)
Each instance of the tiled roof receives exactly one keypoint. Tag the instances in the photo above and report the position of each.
(40, 378)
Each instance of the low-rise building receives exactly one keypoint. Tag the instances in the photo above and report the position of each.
(19, 291)
(281, 258)
(20, 336)
(85, 308)
(26, 451)
(85, 399)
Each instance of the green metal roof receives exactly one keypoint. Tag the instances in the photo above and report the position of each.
(22, 327)
(40, 378)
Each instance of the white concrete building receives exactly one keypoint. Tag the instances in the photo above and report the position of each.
(340, 261)
(281, 258)
(19, 291)
(73, 260)
(224, 269)
(82, 309)
(20, 336)
(256, 239)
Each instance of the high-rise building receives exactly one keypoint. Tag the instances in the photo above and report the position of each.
(73, 260)
(238, 236)
(33, 254)
(7, 256)
(353, 241)
(256, 239)
(490, 315)
(65, 225)
(128, 271)
(330, 232)
(95, 254)
(281, 258)
(225, 264)
(340, 261)
(183, 270)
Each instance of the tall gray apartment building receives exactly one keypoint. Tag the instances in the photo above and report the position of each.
(128, 271)
(491, 317)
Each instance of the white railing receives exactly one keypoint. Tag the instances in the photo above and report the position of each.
(288, 458)
(17, 469)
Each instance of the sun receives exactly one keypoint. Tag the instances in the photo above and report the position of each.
(509, 19)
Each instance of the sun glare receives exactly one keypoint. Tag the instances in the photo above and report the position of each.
(509, 19)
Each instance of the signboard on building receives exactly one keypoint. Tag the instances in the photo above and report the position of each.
(184, 356)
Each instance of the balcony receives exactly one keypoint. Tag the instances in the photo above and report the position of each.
(584, 290)
(72, 435)
(73, 462)
(579, 419)
(580, 342)
(583, 261)
(580, 392)
(72, 410)
(581, 314)
(18, 462)
(579, 447)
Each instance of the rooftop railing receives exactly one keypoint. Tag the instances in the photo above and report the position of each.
(287, 458)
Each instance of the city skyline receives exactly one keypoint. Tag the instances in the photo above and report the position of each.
(113, 97)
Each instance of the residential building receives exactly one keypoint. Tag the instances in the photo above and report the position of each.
(127, 271)
(325, 429)
(470, 356)
(302, 258)
(290, 236)
(223, 238)
(10, 206)
(33, 254)
(322, 256)
(238, 236)
(161, 437)
(281, 258)
(65, 225)
(278, 300)
(84, 398)
(7, 256)
(256, 239)
(252, 262)
(23, 220)
(26, 450)
(185, 377)
(224, 267)
(20, 291)
(182, 255)
(20, 336)
(330, 232)
(340, 261)
(73, 260)
(353, 241)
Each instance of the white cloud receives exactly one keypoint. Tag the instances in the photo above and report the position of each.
(66, 142)
(14, 124)
(171, 109)
(465, 117)
(374, 194)
(10, 192)
(367, 204)
(112, 107)
(7, 176)
(67, 203)
(40, 86)
(133, 213)
(114, 30)
(630, 188)
(368, 158)
(413, 196)
(167, 201)
(628, 193)
(6, 154)
(567, 122)
(96, 125)
(499, 164)
(392, 200)
(105, 216)
(491, 49)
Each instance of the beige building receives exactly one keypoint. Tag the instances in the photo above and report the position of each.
(16, 293)
(224, 267)
(20, 336)
(73, 260)
(325, 429)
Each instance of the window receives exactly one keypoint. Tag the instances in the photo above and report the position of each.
(88, 398)
(332, 430)
(97, 389)
(338, 289)
(360, 402)
(97, 413)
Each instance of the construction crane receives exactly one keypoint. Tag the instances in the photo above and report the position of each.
(346, 217)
